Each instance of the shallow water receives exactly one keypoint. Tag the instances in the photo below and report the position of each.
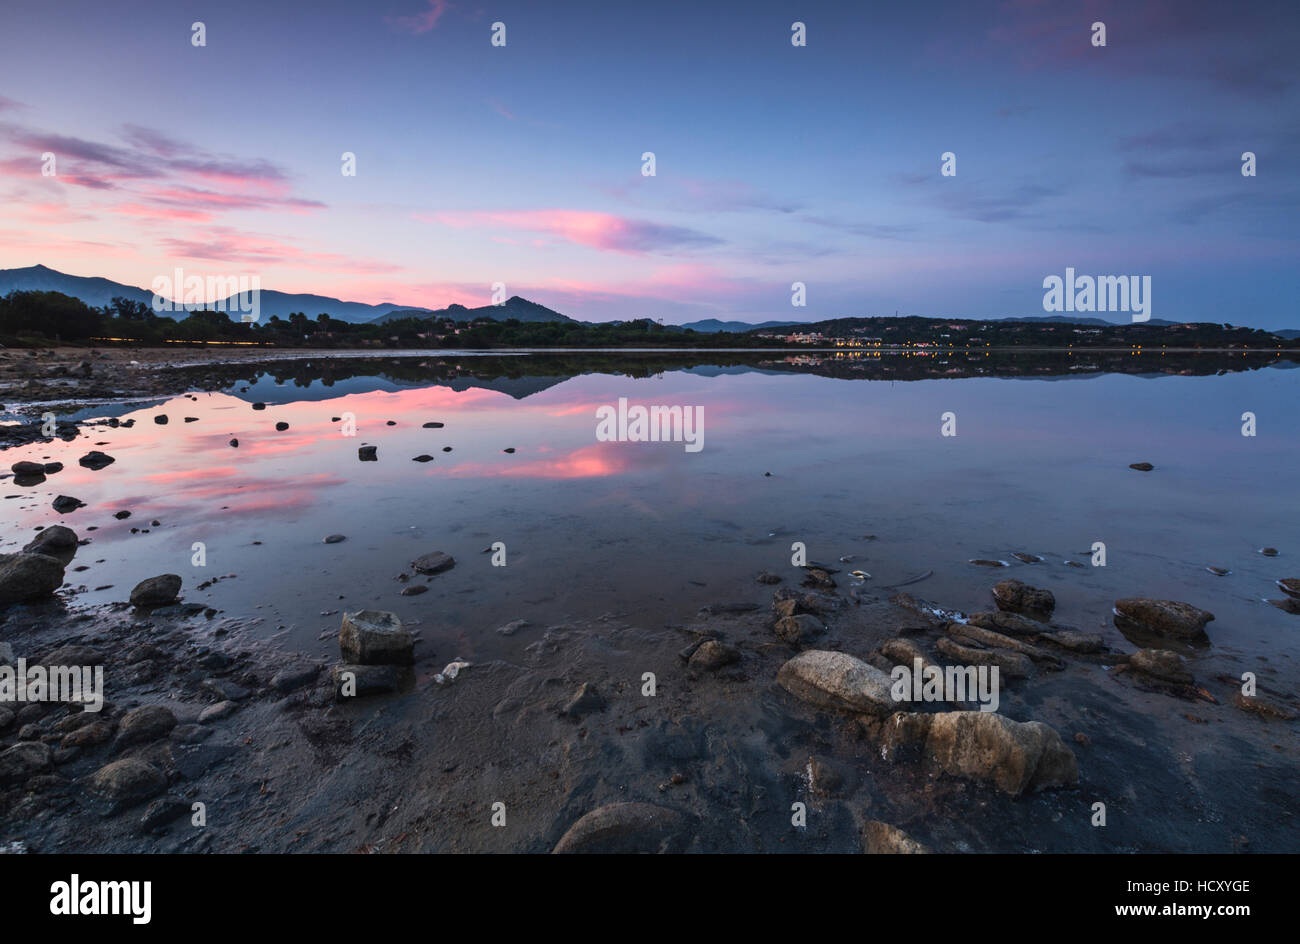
(653, 531)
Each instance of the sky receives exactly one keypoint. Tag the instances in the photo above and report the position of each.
(774, 163)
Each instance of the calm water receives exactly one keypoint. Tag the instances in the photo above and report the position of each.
(653, 531)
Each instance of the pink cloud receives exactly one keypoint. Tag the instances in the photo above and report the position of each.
(420, 22)
(603, 231)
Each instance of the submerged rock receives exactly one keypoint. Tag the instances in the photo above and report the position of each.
(375, 637)
(1290, 586)
(1141, 466)
(883, 839)
(434, 563)
(713, 654)
(1162, 664)
(798, 629)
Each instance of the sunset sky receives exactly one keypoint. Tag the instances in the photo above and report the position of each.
(522, 165)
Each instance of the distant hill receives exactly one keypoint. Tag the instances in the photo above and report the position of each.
(710, 325)
(513, 307)
(1288, 333)
(100, 292)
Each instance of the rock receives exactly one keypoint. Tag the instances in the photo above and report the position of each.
(95, 460)
(144, 724)
(712, 655)
(161, 419)
(1268, 551)
(375, 637)
(6, 718)
(512, 627)
(156, 591)
(28, 468)
(837, 680)
(1076, 641)
(335, 539)
(1010, 664)
(53, 541)
(587, 700)
(1162, 617)
(1142, 466)
(1287, 605)
(234, 443)
(259, 406)
(127, 782)
(1218, 571)
(1011, 623)
(281, 426)
(160, 813)
(985, 562)
(1262, 707)
(1161, 664)
(1290, 586)
(767, 578)
(625, 828)
(25, 759)
(96, 732)
(415, 589)
(352, 680)
(883, 839)
(25, 576)
(75, 655)
(798, 630)
(434, 563)
(995, 640)
(218, 711)
(425, 457)
(434, 425)
(224, 689)
(1017, 597)
(368, 453)
(294, 677)
(66, 503)
(983, 745)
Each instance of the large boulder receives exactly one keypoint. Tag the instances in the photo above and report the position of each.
(1162, 617)
(837, 680)
(375, 637)
(24, 760)
(624, 828)
(1016, 597)
(156, 591)
(1015, 756)
(26, 576)
(54, 541)
(127, 782)
(1162, 664)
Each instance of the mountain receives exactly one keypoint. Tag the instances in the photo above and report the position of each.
(1289, 334)
(100, 292)
(513, 307)
(713, 325)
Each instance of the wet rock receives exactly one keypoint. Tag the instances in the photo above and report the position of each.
(767, 578)
(991, 639)
(1010, 623)
(1010, 664)
(423, 458)
(434, 563)
(234, 443)
(121, 515)
(1287, 605)
(259, 406)
(161, 813)
(218, 711)
(586, 700)
(1162, 617)
(53, 541)
(144, 724)
(368, 453)
(434, 425)
(95, 460)
(335, 539)
(985, 562)
(224, 689)
(798, 630)
(25, 759)
(823, 777)
(512, 627)
(25, 576)
(625, 828)
(415, 589)
(713, 654)
(1161, 664)
(77, 655)
(1218, 571)
(1268, 551)
(352, 680)
(883, 839)
(30, 732)
(6, 718)
(375, 637)
(66, 503)
(127, 782)
(1263, 707)
(1076, 641)
(294, 677)
(160, 419)
(837, 680)
(1141, 466)
(1016, 597)
(986, 746)
(1026, 558)
(27, 468)
(1290, 586)
(281, 426)
(89, 735)
(156, 591)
